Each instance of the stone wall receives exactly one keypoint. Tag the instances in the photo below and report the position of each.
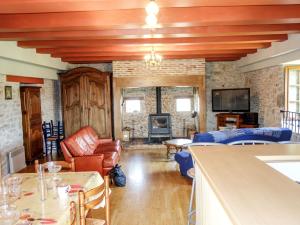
(148, 105)
(11, 133)
(172, 67)
(51, 100)
(267, 94)
(11, 130)
(220, 75)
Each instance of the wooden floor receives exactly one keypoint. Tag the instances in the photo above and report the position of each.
(155, 194)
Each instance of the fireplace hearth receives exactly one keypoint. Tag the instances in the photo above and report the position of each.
(159, 124)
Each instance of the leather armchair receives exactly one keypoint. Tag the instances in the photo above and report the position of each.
(91, 153)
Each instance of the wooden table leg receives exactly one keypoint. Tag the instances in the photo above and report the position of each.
(168, 151)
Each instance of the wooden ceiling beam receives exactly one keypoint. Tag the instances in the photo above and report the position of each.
(44, 6)
(117, 58)
(169, 53)
(165, 47)
(134, 18)
(166, 32)
(219, 39)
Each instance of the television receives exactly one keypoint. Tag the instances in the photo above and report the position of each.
(231, 100)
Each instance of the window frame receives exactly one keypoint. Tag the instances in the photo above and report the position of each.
(287, 87)
(133, 98)
(184, 97)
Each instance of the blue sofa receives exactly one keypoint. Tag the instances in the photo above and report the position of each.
(184, 158)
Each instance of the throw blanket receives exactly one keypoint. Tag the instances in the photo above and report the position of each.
(274, 134)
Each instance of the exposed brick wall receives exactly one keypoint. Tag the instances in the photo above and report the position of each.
(11, 130)
(11, 133)
(148, 105)
(267, 94)
(172, 67)
(220, 75)
(51, 100)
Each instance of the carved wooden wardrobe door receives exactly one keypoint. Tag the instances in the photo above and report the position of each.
(86, 100)
(98, 104)
(72, 101)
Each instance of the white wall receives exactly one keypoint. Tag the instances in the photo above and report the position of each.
(278, 53)
(26, 62)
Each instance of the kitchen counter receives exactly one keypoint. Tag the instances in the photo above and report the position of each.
(243, 185)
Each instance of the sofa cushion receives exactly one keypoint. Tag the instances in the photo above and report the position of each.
(108, 148)
(83, 142)
(110, 159)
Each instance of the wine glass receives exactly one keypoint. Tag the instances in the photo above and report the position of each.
(9, 214)
(54, 169)
(13, 184)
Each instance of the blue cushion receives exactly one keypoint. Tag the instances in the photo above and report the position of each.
(184, 159)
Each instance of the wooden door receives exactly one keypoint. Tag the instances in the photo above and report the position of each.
(72, 104)
(98, 104)
(32, 122)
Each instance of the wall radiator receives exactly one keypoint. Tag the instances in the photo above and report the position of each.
(16, 160)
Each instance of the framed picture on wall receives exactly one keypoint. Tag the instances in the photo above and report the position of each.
(8, 92)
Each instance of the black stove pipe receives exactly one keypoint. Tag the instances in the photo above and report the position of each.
(158, 100)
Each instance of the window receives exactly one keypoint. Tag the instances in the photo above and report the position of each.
(133, 105)
(293, 89)
(183, 104)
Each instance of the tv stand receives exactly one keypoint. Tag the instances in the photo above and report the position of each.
(236, 120)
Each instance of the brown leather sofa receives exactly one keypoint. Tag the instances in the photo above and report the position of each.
(91, 153)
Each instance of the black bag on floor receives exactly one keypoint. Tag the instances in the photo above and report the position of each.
(118, 176)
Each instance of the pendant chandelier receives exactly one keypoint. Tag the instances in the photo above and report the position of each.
(153, 60)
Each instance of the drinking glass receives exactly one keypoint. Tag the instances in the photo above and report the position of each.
(14, 187)
(3, 194)
(54, 169)
(9, 215)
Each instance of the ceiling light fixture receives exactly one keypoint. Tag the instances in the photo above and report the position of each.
(153, 60)
(151, 21)
(152, 8)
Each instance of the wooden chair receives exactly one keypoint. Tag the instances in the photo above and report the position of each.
(72, 213)
(51, 140)
(98, 194)
(66, 166)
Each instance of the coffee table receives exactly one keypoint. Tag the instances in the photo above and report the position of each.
(177, 144)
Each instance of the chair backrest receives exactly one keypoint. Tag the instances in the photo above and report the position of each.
(47, 131)
(251, 142)
(97, 195)
(73, 213)
(61, 130)
(66, 166)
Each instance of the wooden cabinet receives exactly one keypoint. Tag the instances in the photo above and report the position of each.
(32, 122)
(231, 120)
(86, 100)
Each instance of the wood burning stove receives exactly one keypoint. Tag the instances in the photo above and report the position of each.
(159, 124)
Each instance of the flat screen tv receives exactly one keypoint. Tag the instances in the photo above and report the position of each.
(231, 100)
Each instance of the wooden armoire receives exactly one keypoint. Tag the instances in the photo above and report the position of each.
(32, 122)
(86, 100)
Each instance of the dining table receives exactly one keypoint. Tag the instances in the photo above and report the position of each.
(55, 209)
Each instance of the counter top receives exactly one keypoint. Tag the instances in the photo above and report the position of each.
(251, 192)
